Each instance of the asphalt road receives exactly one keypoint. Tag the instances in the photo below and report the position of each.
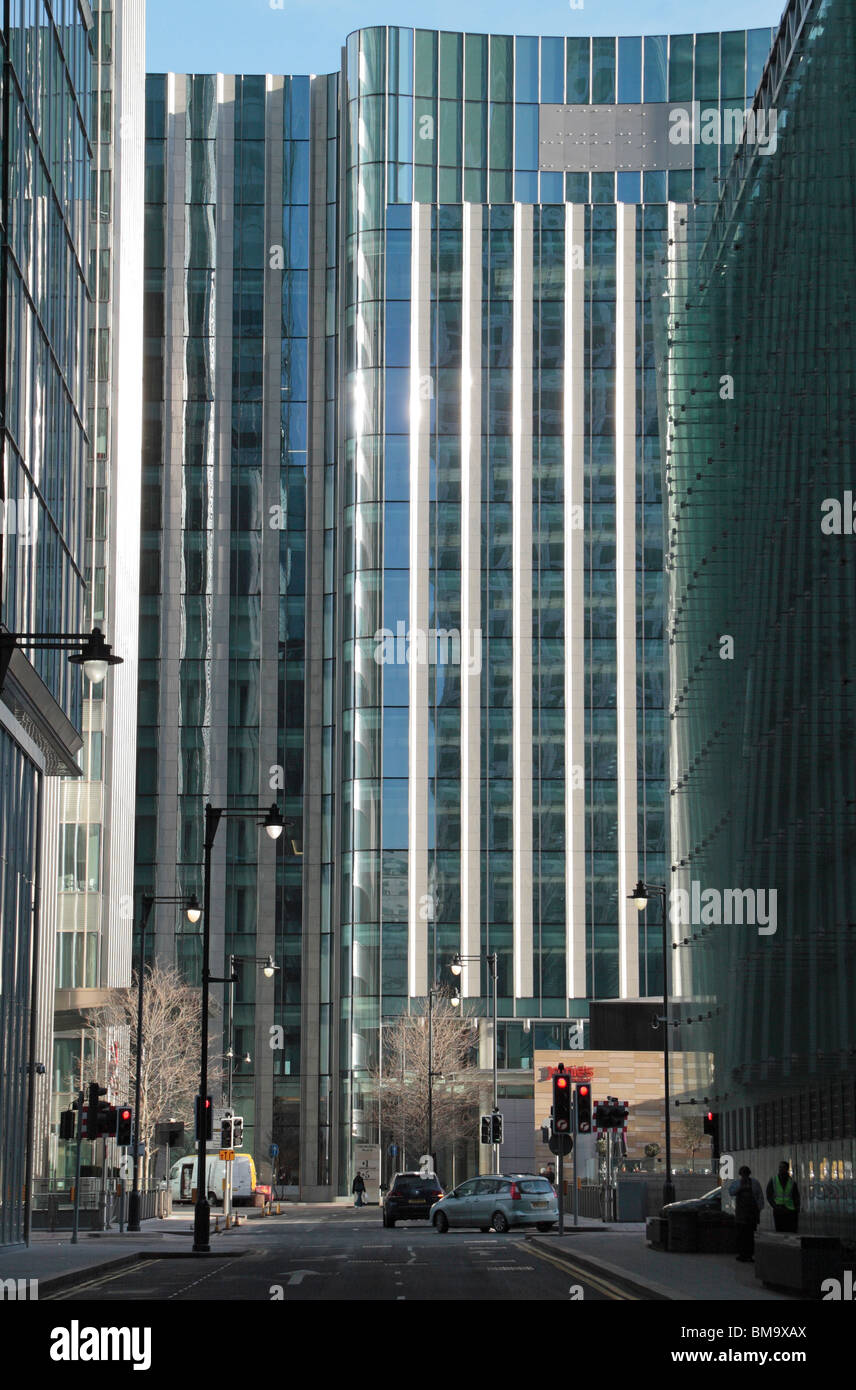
(316, 1254)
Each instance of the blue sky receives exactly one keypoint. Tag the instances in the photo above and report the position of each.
(306, 35)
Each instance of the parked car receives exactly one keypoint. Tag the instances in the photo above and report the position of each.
(501, 1201)
(709, 1201)
(411, 1197)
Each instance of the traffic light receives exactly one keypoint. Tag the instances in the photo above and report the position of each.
(711, 1127)
(93, 1110)
(123, 1126)
(226, 1132)
(561, 1102)
(66, 1124)
(237, 1131)
(486, 1129)
(496, 1128)
(203, 1108)
(107, 1117)
(583, 1108)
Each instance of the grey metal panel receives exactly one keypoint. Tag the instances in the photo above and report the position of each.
(580, 139)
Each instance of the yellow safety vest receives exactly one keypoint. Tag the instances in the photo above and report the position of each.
(784, 1195)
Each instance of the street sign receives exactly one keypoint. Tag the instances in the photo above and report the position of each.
(274, 1150)
(227, 1155)
(393, 1150)
(560, 1143)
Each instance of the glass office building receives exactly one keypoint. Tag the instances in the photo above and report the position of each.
(757, 360)
(46, 155)
(95, 867)
(402, 535)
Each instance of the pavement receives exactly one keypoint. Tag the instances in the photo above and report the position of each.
(621, 1251)
(616, 1253)
(55, 1262)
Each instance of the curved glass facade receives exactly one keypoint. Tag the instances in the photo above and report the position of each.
(469, 602)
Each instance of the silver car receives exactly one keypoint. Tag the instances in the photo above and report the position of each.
(498, 1200)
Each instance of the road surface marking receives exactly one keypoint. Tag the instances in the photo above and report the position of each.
(75, 1290)
(595, 1281)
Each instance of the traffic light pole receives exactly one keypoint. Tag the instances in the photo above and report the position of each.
(202, 1212)
(76, 1218)
(494, 965)
(576, 1188)
(559, 1172)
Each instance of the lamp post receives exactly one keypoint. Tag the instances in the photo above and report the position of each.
(431, 997)
(92, 652)
(456, 966)
(274, 825)
(639, 898)
(194, 912)
(269, 969)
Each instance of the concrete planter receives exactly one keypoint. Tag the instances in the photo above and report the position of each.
(798, 1263)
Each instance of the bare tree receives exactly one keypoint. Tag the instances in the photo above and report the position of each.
(399, 1085)
(691, 1136)
(172, 1021)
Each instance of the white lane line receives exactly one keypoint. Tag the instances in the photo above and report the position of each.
(209, 1275)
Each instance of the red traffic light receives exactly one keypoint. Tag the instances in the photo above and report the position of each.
(561, 1082)
(584, 1090)
(125, 1114)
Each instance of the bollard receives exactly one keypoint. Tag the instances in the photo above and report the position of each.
(229, 1221)
(278, 1211)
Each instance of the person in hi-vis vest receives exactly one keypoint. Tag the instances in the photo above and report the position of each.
(784, 1197)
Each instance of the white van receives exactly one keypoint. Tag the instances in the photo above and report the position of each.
(183, 1174)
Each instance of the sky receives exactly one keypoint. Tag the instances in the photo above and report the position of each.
(306, 36)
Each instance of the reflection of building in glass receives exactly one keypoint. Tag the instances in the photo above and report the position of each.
(757, 361)
(45, 149)
(95, 855)
(400, 370)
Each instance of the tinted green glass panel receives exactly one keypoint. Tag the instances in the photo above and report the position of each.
(501, 139)
(450, 133)
(451, 66)
(475, 50)
(578, 70)
(655, 69)
(372, 61)
(425, 76)
(733, 78)
(475, 133)
(501, 67)
(681, 68)
(603, 70)
(425, 131)
(707, 67)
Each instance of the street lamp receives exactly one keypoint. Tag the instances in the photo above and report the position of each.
(92, 652)
(456, 966)
(274, 826)
(191, 908)
(639, 897)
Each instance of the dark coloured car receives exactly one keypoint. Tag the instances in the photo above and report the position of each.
(710, 1201)
(411, 1197)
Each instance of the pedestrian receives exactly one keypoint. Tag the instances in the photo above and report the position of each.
(358, 1189)
(784, 1197)
(748, 1205)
